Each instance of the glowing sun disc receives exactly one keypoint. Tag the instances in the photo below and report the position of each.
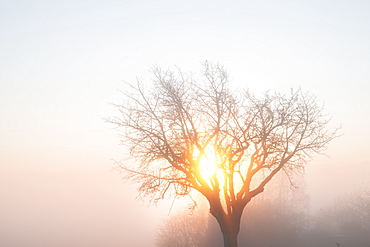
(208, 162)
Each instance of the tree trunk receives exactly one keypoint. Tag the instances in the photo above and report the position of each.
(230, 239)
(228, 222)
(230, 227)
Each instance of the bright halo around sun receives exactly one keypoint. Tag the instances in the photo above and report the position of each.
(208, 162)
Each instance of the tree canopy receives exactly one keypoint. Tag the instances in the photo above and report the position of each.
(187, 132)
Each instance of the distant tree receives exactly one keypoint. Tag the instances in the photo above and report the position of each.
(187, 133)
(347, 220)
(184, 229)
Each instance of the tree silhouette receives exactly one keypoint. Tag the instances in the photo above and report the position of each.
(196, 133)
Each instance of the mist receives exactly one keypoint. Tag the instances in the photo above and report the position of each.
(62, 63)
(280, 216)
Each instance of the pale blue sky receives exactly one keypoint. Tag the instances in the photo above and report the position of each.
(61, 63)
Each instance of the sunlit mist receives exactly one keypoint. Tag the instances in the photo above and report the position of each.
(62, 64)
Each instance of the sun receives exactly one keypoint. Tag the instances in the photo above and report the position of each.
(208, 162)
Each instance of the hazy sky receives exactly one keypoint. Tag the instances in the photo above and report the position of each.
(61, 63)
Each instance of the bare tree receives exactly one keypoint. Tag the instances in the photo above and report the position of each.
(187, 133)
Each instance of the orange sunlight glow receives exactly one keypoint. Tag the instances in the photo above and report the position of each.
(209, 165)
(211, 169)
